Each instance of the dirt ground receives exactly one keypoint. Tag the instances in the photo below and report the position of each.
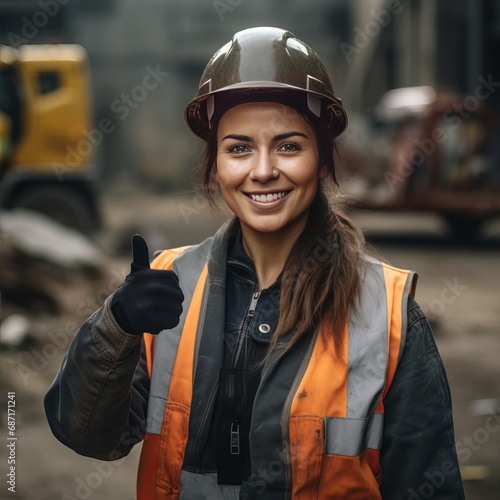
(458, 289)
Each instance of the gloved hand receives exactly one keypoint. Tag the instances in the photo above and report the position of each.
(149, 300)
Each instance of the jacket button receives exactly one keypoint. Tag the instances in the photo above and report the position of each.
(264, 328)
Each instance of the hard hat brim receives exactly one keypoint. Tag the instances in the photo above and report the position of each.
(201, 124)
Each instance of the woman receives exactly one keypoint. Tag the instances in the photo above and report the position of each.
(296, 366)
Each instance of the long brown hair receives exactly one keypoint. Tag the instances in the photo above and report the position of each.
(321, 279)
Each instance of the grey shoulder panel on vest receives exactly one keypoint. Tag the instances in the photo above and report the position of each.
(188, 267)
(368, 339)
(368, 344)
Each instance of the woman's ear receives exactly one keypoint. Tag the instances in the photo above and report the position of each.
(214, 179)
(323, 172)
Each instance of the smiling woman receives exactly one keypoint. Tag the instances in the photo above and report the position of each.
(267, 170)
(299, 366)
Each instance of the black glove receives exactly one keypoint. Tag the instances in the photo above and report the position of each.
(149, 300)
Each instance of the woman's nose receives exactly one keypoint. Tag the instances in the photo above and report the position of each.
(263, 168)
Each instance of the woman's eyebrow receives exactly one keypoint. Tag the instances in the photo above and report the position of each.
(287, 135)
(238, 137)
(278, 137)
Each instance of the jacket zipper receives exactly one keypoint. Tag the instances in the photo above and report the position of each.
(246, 325)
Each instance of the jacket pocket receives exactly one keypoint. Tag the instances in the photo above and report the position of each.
(306, 449)
(174, 436)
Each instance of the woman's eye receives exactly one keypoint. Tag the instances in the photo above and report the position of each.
(238, 149)
(290, 147)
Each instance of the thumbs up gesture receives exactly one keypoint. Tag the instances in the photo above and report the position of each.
(149, 300)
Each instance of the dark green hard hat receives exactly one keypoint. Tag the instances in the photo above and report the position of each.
(269, 65)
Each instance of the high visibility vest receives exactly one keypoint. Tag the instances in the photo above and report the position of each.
(330, 413)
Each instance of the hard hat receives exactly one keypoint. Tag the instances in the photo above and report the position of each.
(265, 65)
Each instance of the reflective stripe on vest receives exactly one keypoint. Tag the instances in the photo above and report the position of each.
(335, 408)
(170, 359)
(166, 345)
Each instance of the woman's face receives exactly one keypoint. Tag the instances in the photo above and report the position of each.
(255, 139)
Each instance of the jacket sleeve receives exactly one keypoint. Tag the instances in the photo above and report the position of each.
(97, 403)
(418, 456)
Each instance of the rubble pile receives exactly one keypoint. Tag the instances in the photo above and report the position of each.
(45, 271)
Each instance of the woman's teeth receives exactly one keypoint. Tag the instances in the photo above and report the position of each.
(268, 197)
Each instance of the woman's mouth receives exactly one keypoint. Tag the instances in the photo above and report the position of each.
(267, 197)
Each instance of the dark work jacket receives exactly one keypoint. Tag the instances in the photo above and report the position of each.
(418, 454)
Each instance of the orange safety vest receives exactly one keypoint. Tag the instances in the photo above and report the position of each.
(332, 418)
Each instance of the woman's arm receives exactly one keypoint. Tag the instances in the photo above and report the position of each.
(419, 458)
(97, 403)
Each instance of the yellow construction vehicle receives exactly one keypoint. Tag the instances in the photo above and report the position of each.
(46, 136)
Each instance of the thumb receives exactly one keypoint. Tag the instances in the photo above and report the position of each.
(140, 253)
